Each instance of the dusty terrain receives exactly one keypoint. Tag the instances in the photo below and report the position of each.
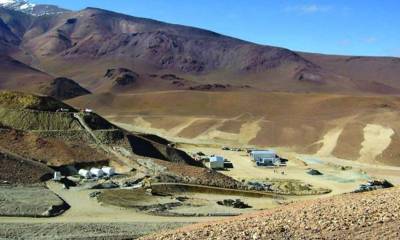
(81, 231)
(15, 169)
(30, 201)
(181, 90)
(88, 218)
(352, 216)
(51, 151)
(360, 128)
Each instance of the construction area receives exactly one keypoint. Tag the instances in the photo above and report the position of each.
(63, 168)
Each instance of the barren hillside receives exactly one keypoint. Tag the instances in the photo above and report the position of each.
(16, 75)
(351, 127)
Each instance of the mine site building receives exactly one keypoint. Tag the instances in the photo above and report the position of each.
(217, 162)
(265, 157)
(84, 173)
(96, 172)
(109, 171)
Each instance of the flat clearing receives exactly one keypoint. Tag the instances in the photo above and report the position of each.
(185, 202)
(104, 230)
(30, 202)
(333, 178)
(88, 218)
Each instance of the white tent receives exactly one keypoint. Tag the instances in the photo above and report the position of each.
(217, 162)
(96, 172)
(109, 171)
(84, 173)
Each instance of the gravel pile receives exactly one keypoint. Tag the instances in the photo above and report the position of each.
(197, 175)
(371, 215)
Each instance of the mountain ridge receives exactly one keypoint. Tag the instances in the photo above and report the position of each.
(31, 8)
(93, 40)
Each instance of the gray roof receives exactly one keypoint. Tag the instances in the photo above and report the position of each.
(263, 152)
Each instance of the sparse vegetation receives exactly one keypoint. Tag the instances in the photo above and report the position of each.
(19, 100)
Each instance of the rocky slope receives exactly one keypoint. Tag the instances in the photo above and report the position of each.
(51, 132)
(19, 76)
(359, 128)
(372, 215)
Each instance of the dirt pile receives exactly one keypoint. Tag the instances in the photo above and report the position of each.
(63, 88)
(196, 175)
(373, 215)
(18, 170)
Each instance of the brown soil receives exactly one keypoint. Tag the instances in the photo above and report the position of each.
(297, 121)
(197, 128)
(17, 170)
(52, 152)
(372, 215)
(197, 175)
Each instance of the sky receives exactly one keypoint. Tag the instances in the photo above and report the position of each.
(344, 27)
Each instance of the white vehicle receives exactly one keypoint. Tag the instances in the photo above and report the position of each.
(88, 110)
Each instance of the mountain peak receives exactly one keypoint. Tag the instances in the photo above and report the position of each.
(21, 5)
(31, 8)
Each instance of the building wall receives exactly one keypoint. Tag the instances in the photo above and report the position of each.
(259, 156)
(217, 162)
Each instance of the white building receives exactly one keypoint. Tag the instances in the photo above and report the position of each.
(109, 171)
(265, 157)
(216, 162)
(84, 173)
(96, 172)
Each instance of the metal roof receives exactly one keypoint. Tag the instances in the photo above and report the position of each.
(263, 152)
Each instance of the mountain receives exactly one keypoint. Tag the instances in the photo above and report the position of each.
(19, 76)
(8, 39)
(35, 128)
(31, 8)
(92, 41)
(63, 88)
(177, 79)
